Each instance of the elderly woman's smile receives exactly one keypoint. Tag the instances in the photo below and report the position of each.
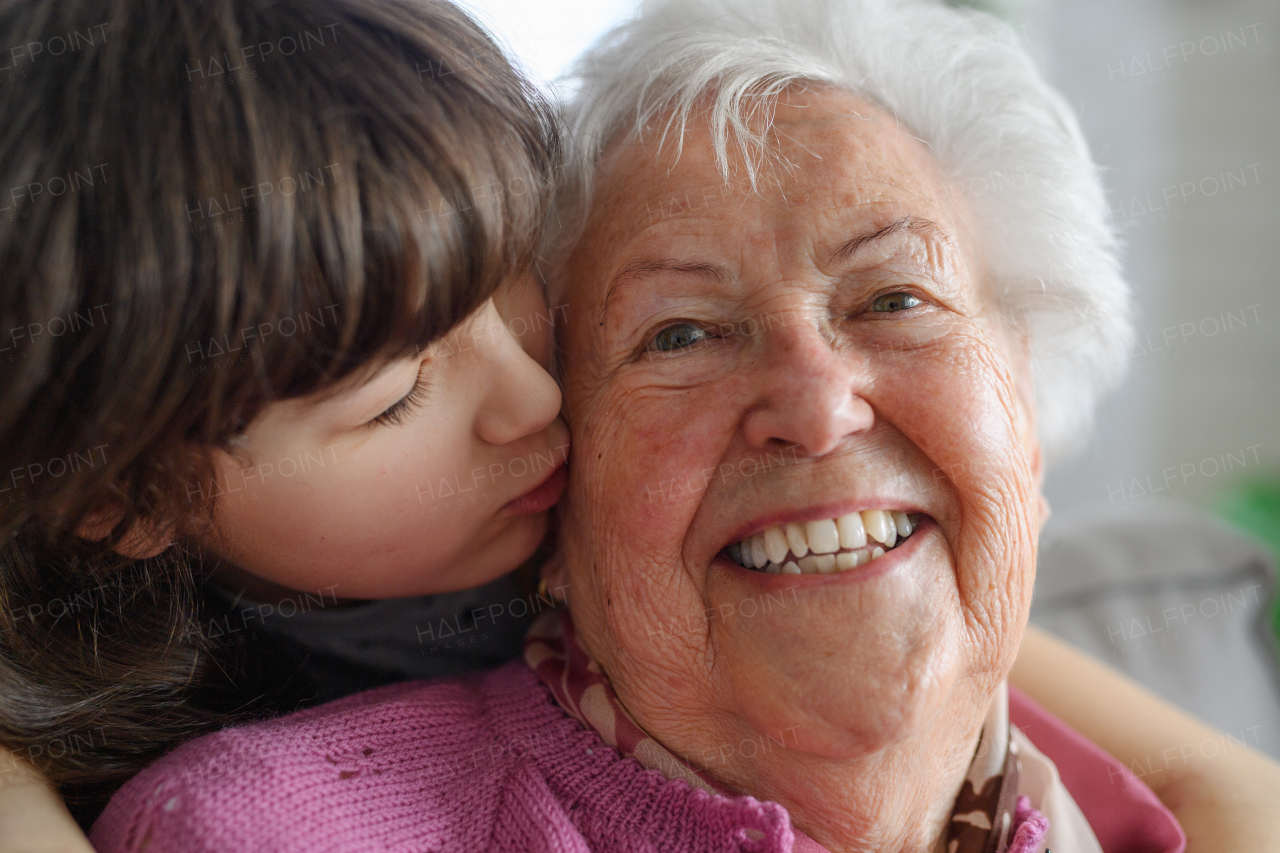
(826, 545)
(803, 386)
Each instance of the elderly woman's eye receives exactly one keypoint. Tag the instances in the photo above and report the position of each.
(677, 336)
(890, 302)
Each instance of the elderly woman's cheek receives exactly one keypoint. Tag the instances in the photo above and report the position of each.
(1001, 499)
(955, 400)
(640, 484)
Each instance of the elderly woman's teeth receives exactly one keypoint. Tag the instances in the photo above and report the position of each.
(796, 539)
(775, 545)
(853, 533)
(902, 523)
(880, 526)
(824, 546)
(822, 536)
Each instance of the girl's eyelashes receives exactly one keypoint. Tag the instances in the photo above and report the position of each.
(395, 414)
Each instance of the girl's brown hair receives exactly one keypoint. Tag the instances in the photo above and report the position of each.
(209, 205)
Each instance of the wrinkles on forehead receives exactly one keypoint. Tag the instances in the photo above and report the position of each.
(662, 210)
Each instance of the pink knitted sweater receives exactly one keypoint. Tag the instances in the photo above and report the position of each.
(486, 762)
(473, 764)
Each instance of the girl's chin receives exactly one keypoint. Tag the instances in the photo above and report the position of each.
(499, 548)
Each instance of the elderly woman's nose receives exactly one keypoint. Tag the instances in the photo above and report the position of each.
(809, 393)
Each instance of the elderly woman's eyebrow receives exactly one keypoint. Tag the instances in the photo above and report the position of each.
(846, 251)
(637, 270)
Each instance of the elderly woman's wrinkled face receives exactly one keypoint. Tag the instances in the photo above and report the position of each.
(765, 388)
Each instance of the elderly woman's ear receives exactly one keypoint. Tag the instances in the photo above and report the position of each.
(555, 578)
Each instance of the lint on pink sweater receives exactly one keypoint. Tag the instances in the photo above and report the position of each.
(488, 762)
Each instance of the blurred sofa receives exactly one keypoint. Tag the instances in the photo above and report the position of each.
(1174, 599)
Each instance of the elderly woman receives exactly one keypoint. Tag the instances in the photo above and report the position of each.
(843, 281)
(850, 255)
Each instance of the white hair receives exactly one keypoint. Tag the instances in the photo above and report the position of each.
(961, 82)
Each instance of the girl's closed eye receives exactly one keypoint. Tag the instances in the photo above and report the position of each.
(395, 414)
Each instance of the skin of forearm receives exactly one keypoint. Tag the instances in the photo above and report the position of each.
(33, 818)
(1228, 798)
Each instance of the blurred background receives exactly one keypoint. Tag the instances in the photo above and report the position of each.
(1144, 563)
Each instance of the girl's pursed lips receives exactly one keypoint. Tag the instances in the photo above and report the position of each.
(543, 496)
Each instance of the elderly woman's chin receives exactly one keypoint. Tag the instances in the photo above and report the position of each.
(852, 667)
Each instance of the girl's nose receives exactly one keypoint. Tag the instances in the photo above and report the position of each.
(521, 397)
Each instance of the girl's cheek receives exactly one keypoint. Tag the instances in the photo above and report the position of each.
(455, 506)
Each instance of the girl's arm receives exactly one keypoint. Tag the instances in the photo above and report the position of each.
(1227, 802)
(33, 818)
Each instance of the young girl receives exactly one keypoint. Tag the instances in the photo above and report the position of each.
(272, 345)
